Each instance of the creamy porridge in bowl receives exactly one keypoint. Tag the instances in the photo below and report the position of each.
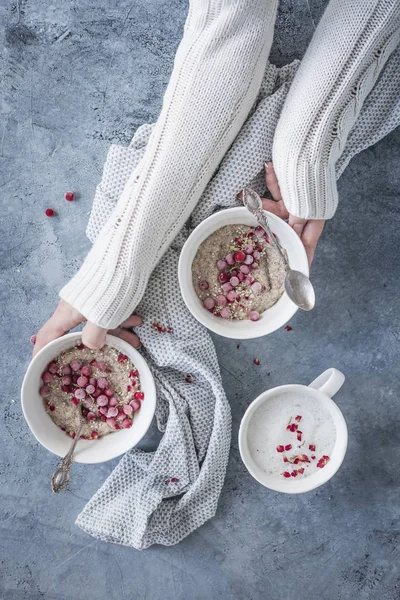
(232, 279)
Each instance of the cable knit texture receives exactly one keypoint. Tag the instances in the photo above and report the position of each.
(215, 81)
(340, 68)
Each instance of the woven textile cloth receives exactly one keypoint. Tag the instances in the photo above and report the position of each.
(135, 506)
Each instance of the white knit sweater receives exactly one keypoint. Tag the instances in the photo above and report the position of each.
(216, 78)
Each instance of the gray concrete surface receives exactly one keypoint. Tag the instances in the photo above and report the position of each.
(77, 76)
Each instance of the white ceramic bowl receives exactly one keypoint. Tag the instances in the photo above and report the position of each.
(273, 318)
(320, 390)
(56, 440)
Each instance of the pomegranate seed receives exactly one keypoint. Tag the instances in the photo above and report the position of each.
(280, 448)
(292, 427)
(226, 312)
(49, 212)
(75, 401)
(102, 383)
(234, 281)
(288, 328)
(285, 459)
(90, 416)
(250, 234)
(33, 339)
(76, 365)
(298, 418)
(135, 405)
(102, 400)
(127, 409)
(94, 435)
(52, 407)
(299, 435)
(311, 447)
(223, 277)
(166, 481)
(288, 447)
(47, 377)
(239, 257)
(90, 389)
(116, 426)
(294, 473)
(286, 474)
(301, 470)
(229, 259)
(203, 285)
(111, 421)
(226, 287)
(113, 401)
(303, 458)
(313, 457)
(44, 391)
(221, 265)
(322, 461)
(66, 389)
(256, 361)
(174, 479)
(231, 296)
(138, 395)
(121, 358)
(209, 303)
(93, 363)
(126, 423)
(134, 373)
(72, 434)
(69, 196)
(188, 379)
(254, 315)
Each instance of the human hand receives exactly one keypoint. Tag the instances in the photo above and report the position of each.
(66, 317)
(309, 230)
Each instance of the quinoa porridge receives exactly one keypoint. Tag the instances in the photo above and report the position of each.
(237, 274)
(100, 387)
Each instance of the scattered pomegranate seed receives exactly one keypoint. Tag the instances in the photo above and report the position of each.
(286, 474)
(188, 379)
(103, 418)
(122, 358)
(298, 418)
(138, 395)
(294, 473)
(90, 416)
(166, 481)
(288, 328)
(301, 470)
(52, 407)
(33, 339)
(174, 479)
(288, 447)
(81, 346)
(49, 212)
(292, 427)
(322, 462)
(94, 435)
(93, 362)
(66, 380)
(256, 361)
(280, 448)
(117, 426)
(75, 401)
(134, 374)
(299, 436)
(303, 458)
(86, 371)
(313, 457)
(69, 196)
(311, 447)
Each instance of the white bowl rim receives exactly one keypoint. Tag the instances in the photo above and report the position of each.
(79, 455)
(239, 329)
(311, 482)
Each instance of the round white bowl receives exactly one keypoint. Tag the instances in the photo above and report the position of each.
(270, 320)
(56, 440)
(320, 391)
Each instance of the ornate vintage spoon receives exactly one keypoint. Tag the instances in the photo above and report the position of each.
(60, 477)
(297, 285)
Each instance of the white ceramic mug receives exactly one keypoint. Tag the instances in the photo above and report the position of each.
(56, 440)
(321, 391)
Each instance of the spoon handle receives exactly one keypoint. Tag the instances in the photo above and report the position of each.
(60, 477)
(263, 221)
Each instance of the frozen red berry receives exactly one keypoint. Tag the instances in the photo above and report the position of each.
(49, 212)
(223, 277)
(126, 423)
(221, 265)
(102, 400)
(203, 285)
(254, 315)
(280, 448)
(66, 389)
(225, 312)
(66, 380)
(138, 395)
(90, 389)
(221, 300)
(44, 391)
(82, 381)
(102, 383)
(239, 257)
(91, 416)
(33, 339)
(244, 269)
(234, 281)
(80, 393)
(113, 411)
(240, 276)
(113, 401)
(209, 303)
(103, 410)
(53, 368)
(226, 287)
(127, 409)
(94, 435)
(86, 371)
(109, 392)
(248, 260)
(69, 196)
(47, 377)
(110, 421)
(135, 405)
(76, 365)
(66, 370)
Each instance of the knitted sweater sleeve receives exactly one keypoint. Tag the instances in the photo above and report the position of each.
(216, 77)
(350, 46)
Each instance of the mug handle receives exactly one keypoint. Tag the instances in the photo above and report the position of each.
(329, 382)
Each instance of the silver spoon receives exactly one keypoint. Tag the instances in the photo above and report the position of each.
(60, 477)
(297, 285)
